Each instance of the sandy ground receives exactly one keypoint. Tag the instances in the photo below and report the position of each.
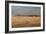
(25, 21)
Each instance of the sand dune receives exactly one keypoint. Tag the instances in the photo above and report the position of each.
(25, 21)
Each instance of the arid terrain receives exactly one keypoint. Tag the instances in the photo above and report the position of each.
(26, 21)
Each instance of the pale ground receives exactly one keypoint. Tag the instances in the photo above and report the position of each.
(26, 21)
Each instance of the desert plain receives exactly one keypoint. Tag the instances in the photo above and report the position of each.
(26, 21)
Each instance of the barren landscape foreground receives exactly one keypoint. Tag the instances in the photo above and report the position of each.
(26, 21)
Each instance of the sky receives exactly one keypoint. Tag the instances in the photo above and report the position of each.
(25, 10)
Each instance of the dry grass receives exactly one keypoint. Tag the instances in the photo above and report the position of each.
(26, 21)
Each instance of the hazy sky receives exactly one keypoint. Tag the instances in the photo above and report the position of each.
(25, 10)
